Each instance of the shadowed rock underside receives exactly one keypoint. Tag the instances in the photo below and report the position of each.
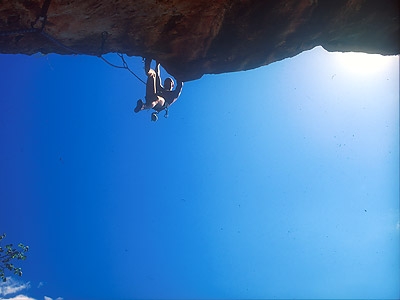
(193, 38)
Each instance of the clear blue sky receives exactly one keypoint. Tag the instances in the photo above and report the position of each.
(280, 182)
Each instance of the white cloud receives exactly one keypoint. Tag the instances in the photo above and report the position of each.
(12, 286)
(19, 297)
(48, 298)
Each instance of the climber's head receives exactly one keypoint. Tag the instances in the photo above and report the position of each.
(168, 84)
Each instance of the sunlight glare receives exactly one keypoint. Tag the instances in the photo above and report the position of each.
(362, 63)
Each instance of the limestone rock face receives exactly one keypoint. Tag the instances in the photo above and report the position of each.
(192, 38)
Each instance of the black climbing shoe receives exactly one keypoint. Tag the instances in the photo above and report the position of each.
(154, 116)
(139, 106)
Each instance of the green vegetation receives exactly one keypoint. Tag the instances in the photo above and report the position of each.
(9, 254)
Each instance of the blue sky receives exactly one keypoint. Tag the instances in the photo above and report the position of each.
(279, 182)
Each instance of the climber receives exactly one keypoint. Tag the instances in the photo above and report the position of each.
(158, 97)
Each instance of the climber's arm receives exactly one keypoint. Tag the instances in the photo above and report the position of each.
(158, 78)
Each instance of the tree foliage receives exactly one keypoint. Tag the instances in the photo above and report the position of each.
(8, 254)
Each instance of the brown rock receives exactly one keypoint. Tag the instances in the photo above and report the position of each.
(192, 38)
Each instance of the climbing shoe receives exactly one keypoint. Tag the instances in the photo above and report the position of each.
(154, 116)
(139, 106)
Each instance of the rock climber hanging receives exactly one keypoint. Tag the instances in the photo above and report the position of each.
(158, 97)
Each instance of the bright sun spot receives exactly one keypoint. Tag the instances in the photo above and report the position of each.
(363, 63)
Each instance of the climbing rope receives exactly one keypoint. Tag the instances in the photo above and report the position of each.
(55, 41)
(124, 66)
(16, 32)
(104, 36)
